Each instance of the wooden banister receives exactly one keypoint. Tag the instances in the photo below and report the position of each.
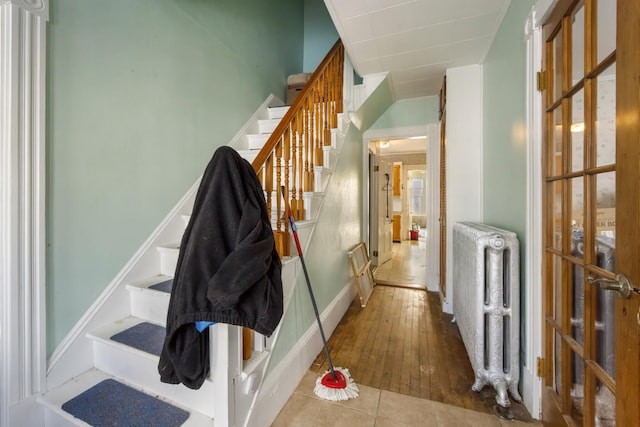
(296, 145)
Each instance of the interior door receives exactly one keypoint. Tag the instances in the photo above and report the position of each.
(443, 189)
(380, 217)
(385, 210)
(591, 190)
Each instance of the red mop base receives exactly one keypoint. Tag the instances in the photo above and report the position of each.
(340, 388)
(338, 382)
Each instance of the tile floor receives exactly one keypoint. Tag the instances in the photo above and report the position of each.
(379, 408)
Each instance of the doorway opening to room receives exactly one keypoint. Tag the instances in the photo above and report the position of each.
(397, 202)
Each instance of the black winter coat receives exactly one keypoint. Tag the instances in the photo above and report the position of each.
(228, 270)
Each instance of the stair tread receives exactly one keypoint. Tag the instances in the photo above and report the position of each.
(144, 336)
(168, 247)
(105, 333)
(154, 284)
(56, 398)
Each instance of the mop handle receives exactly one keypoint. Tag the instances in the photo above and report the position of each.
(294, 229)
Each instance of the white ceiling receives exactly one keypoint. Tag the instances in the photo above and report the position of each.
(416, 40)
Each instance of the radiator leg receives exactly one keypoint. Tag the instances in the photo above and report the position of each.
(478, 384)
(502, 398)
(513, 391)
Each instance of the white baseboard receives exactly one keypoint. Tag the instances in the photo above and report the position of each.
(284, 378)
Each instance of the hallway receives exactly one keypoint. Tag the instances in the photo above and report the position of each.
(407, 266)
(402, 349)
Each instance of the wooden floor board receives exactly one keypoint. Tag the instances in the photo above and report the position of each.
(401, 341)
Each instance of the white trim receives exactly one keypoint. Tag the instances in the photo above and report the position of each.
(532, 385)
(432, 131)
(541, 11)
(284, 378)
(433, 207)
(22, 205)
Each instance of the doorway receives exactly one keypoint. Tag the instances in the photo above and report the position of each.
(398, 205)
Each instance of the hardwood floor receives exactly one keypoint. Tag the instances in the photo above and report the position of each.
(402, 342)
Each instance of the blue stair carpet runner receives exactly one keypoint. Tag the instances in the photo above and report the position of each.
(163, 286)
(113, 404)
(143, 336)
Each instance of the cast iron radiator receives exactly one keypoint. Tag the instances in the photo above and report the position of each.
(486, 304)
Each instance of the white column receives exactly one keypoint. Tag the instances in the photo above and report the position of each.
(22, 234)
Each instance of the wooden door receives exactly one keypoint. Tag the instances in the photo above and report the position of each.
(397, 228)
(380, 208)
(591, 191)
(443, 189)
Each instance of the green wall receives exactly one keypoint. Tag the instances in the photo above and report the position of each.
(504, 134)
(409, 112)
(504, 125)
(319, 34)
(140, 93)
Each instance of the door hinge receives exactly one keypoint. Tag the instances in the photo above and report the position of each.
(375, 253)
(540, 367)
(376, 168)
(542, 80)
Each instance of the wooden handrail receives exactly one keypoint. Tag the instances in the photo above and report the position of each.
(296, 145)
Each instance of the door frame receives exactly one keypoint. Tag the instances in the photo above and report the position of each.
(432, 131)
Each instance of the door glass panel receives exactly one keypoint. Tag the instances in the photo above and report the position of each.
(605, 415)
(606, 204)
(577, 304)
(577, 203)
(605, 308)
(577, 45)
(557, 288)
(557, 66)
(556, 193)
(555, 162)
(557, 363)
(577, 131)
(606, 28)
(577, 388)
(606, 117)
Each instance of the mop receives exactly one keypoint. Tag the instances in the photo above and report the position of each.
(336, 383)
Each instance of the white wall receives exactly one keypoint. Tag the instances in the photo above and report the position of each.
(463, 156)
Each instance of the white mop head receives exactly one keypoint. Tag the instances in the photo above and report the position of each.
(350, 391)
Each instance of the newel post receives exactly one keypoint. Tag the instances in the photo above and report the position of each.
(22, 199)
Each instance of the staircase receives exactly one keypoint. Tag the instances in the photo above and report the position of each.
(121, 336)
(116, 345)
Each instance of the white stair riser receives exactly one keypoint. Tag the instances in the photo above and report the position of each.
(330, 157)
(149, 305)
(168, 260)
(61, 419)
(278, 112)
(321, 177)
(142, 369)
(257, 141)
(248, 155)
(267, 126)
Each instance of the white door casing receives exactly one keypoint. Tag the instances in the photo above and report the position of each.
(22, 208)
